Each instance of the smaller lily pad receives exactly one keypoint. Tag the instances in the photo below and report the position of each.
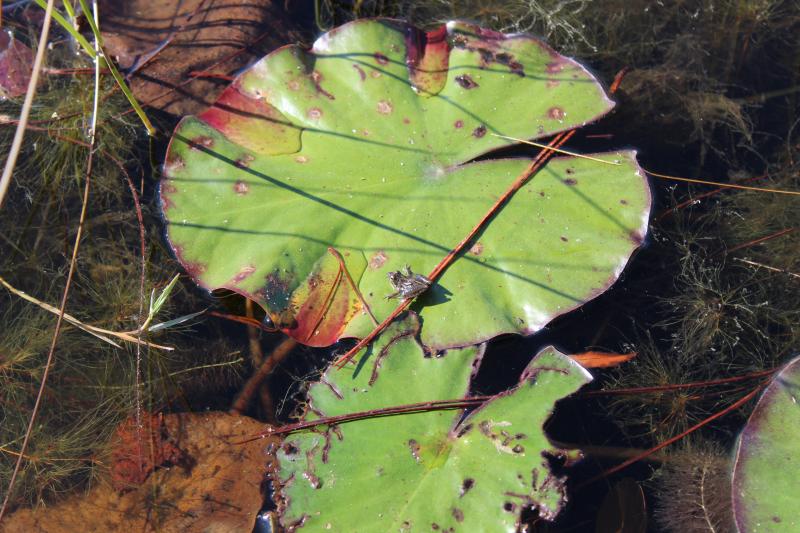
(767, 463)
(434, 470)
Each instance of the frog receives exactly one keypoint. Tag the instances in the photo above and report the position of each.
(407, 285)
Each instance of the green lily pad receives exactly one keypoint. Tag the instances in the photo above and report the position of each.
(767, 463)
(365, 144)
(435, 470)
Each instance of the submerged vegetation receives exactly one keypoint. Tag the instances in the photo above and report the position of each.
(710, 91)
(92, 385)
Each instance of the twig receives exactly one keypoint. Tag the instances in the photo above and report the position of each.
(762, 265)
(521, 180)
(19, 134)
(769, 237)
(411, 408)
(678, 386)
(100, 333)
(735, 405)
(210, 75)
(722, 185)
(243, 320)
(253, 336)
(267, 366)
(556, 150)
(699, 197)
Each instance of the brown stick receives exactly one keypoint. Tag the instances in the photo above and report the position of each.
(411, 408)
(769, 237)
(267, 366)
(735, 405)
(678, 386)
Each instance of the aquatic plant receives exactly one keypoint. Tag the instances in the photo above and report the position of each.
(764, 482)
(358, 153)
(709, 93)
(92, 383)
(439, 469)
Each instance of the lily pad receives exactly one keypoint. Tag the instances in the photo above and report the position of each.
(365, 143)
(436, 470)
(767, 462)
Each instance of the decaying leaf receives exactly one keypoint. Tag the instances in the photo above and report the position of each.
(177, 48)
(217, 488)
(16, 62)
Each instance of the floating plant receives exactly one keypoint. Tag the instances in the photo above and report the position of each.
(438, 470)
(366, 144)
(765, 468)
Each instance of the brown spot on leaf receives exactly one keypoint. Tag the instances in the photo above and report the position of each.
(479, 132)
(466, 81)
(375, 74)
(466, 486)
(378, 259)
(245, 160)
(518, 448)
(361, 73)
(316, 77)
(314, 113)
(381, 59)
(458, 124)
(384, 107)
(406, 120)
(414, 446)
(556, 113)
(165, 190)
(554, 67)
(623, 201)
(241, 188)
(509, 507)
(476, 249)
(201, 141)
(301, 159)
(289, 448)
(293, 85)
(458, 514)
(244, 273)
(570, 181)
(173, 164)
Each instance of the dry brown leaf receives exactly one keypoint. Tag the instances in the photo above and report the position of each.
(194, 35)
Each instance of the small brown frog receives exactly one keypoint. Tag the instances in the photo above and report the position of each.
(407, 285)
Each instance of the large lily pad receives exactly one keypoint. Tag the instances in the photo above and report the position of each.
(767, 463)
(364, 144)
(425, 471)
